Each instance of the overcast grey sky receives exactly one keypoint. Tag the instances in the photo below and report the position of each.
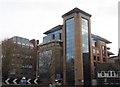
(30, 18)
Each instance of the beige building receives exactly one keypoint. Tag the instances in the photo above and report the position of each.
(51, 56)
(100, 51)
(78, 48)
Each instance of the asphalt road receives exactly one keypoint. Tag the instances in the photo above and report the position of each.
(33, 86)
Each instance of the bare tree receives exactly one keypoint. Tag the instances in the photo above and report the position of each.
(45, 64)
(11, 61)
(50, 64)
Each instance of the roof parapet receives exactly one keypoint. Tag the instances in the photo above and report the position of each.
(58, 27)
(76, 10)
(96, 37)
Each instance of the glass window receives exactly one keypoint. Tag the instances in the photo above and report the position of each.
(97, 51)
(109, 73)
(60, 36)
(57, 34)
(94, 51)
(53, 36)
(93, 42)
(94, 57)
(48, 38)
(104, 59)
(85, 49)
(85, 45)
(98, 58)
(14, 38)
(113, 73)
(19, 43)
(70, 55)
(103, 73)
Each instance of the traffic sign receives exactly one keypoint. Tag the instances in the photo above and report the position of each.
(7, 81)
(14, 81)
(35, 81)
(28, 81)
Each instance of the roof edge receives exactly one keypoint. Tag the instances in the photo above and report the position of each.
(76, 10)
(53, 29)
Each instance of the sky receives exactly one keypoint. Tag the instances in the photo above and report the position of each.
(31, 18)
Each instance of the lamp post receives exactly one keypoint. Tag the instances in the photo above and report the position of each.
(37, 59)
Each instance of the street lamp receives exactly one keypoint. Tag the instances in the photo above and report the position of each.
(37, 59)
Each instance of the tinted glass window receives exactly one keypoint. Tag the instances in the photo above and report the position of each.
(70, 55)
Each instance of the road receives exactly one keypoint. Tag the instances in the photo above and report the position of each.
(34, 86)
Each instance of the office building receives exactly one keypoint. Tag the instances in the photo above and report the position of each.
(51, 56)
(80, 49)
(100, 51)
(26, 57)
(77, 46)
